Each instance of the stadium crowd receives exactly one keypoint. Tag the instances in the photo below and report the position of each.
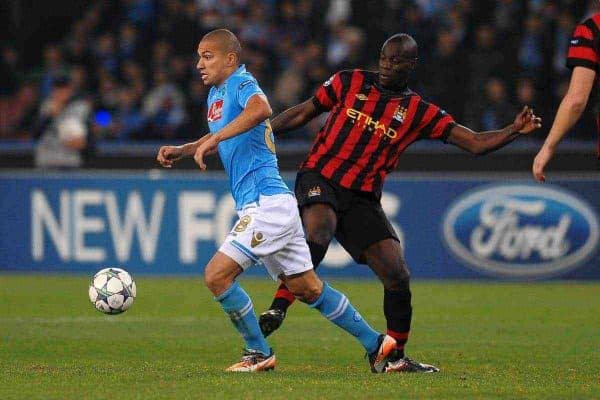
(133, 62)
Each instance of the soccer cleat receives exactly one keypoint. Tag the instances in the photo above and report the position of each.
(254, 361)
(270, 321)
(380, 358)
(407, 365)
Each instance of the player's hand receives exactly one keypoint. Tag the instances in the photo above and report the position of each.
(207, 148)
(539, 163)
(167, 155)
(526, 121)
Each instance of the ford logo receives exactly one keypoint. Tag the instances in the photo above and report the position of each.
(521, 231)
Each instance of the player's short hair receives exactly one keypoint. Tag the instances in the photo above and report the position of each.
(406, 41)
(227, 39)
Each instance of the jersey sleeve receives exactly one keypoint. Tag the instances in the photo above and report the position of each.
(583, 47)
(436, 123)
(329, 93)
(246, 89)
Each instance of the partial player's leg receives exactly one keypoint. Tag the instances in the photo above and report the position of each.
(336, 307)
(219, 276)
(317, 200)
(386, 259)
(319, 224)
(366, 233)
(291, 263)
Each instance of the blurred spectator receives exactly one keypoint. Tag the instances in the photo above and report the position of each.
(9, 70)
(457, 25)
(161, 54)
(54, 66)
(62, 128)
(188, 30)
(339, 12)
(108, 92)
(79, 80)
(181, 69)
(445, 75)
(345, 47)
(288, 87)
(562, 33)
(256, 30)
(128, 43)
(531, 53)
(493, 111)
(76, 46)
(128, 121)
(140, 12)
(18, 112)
(196, 109)
(507, 17)
(484, 61)
(105, 53)
(416, 24)
(431, 8)
(163, 107)
(526, 93)
(133, 76)
(116, 48)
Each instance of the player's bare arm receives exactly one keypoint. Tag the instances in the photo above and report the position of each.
(257, 110)
(295, 117)
(485, 142)
(168, 155)
(570, 110)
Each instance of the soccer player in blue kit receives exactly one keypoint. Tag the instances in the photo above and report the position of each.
(269, 230)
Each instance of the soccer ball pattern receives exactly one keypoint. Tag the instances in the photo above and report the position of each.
(112, 290)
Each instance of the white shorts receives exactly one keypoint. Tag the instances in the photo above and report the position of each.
(270, 232)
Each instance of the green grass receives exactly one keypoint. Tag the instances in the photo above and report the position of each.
(490, 340)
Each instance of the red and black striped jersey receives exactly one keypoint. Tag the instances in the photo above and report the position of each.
(368, 128)
(584, 48)
(584, 51)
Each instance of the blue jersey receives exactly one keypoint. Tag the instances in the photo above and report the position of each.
(249, 158)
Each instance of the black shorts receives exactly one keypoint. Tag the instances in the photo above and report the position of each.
(361, 221)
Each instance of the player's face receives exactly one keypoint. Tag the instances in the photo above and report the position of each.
(212, 62)
(394, 65)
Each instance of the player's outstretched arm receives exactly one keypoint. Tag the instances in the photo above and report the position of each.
(167, 155)
(295, 117)
(256, 111)
(485, 142)
(569, 112)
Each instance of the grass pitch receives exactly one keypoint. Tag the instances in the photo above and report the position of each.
(490, 340)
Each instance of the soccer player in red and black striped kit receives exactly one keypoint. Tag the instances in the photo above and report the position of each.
(373, 117)
(584, 58)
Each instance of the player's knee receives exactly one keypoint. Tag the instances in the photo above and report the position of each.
(308, 294)
(320, 234)
(397, 277)
(215, 281)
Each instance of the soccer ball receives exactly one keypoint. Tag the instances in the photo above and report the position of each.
(112, 290)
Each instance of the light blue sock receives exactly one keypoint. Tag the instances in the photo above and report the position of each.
(337, 308)
(237, 304)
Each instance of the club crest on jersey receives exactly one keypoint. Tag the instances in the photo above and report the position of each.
(216, 111)
(400, 114)
(361, 97)
(314, 191)
(257, 238)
